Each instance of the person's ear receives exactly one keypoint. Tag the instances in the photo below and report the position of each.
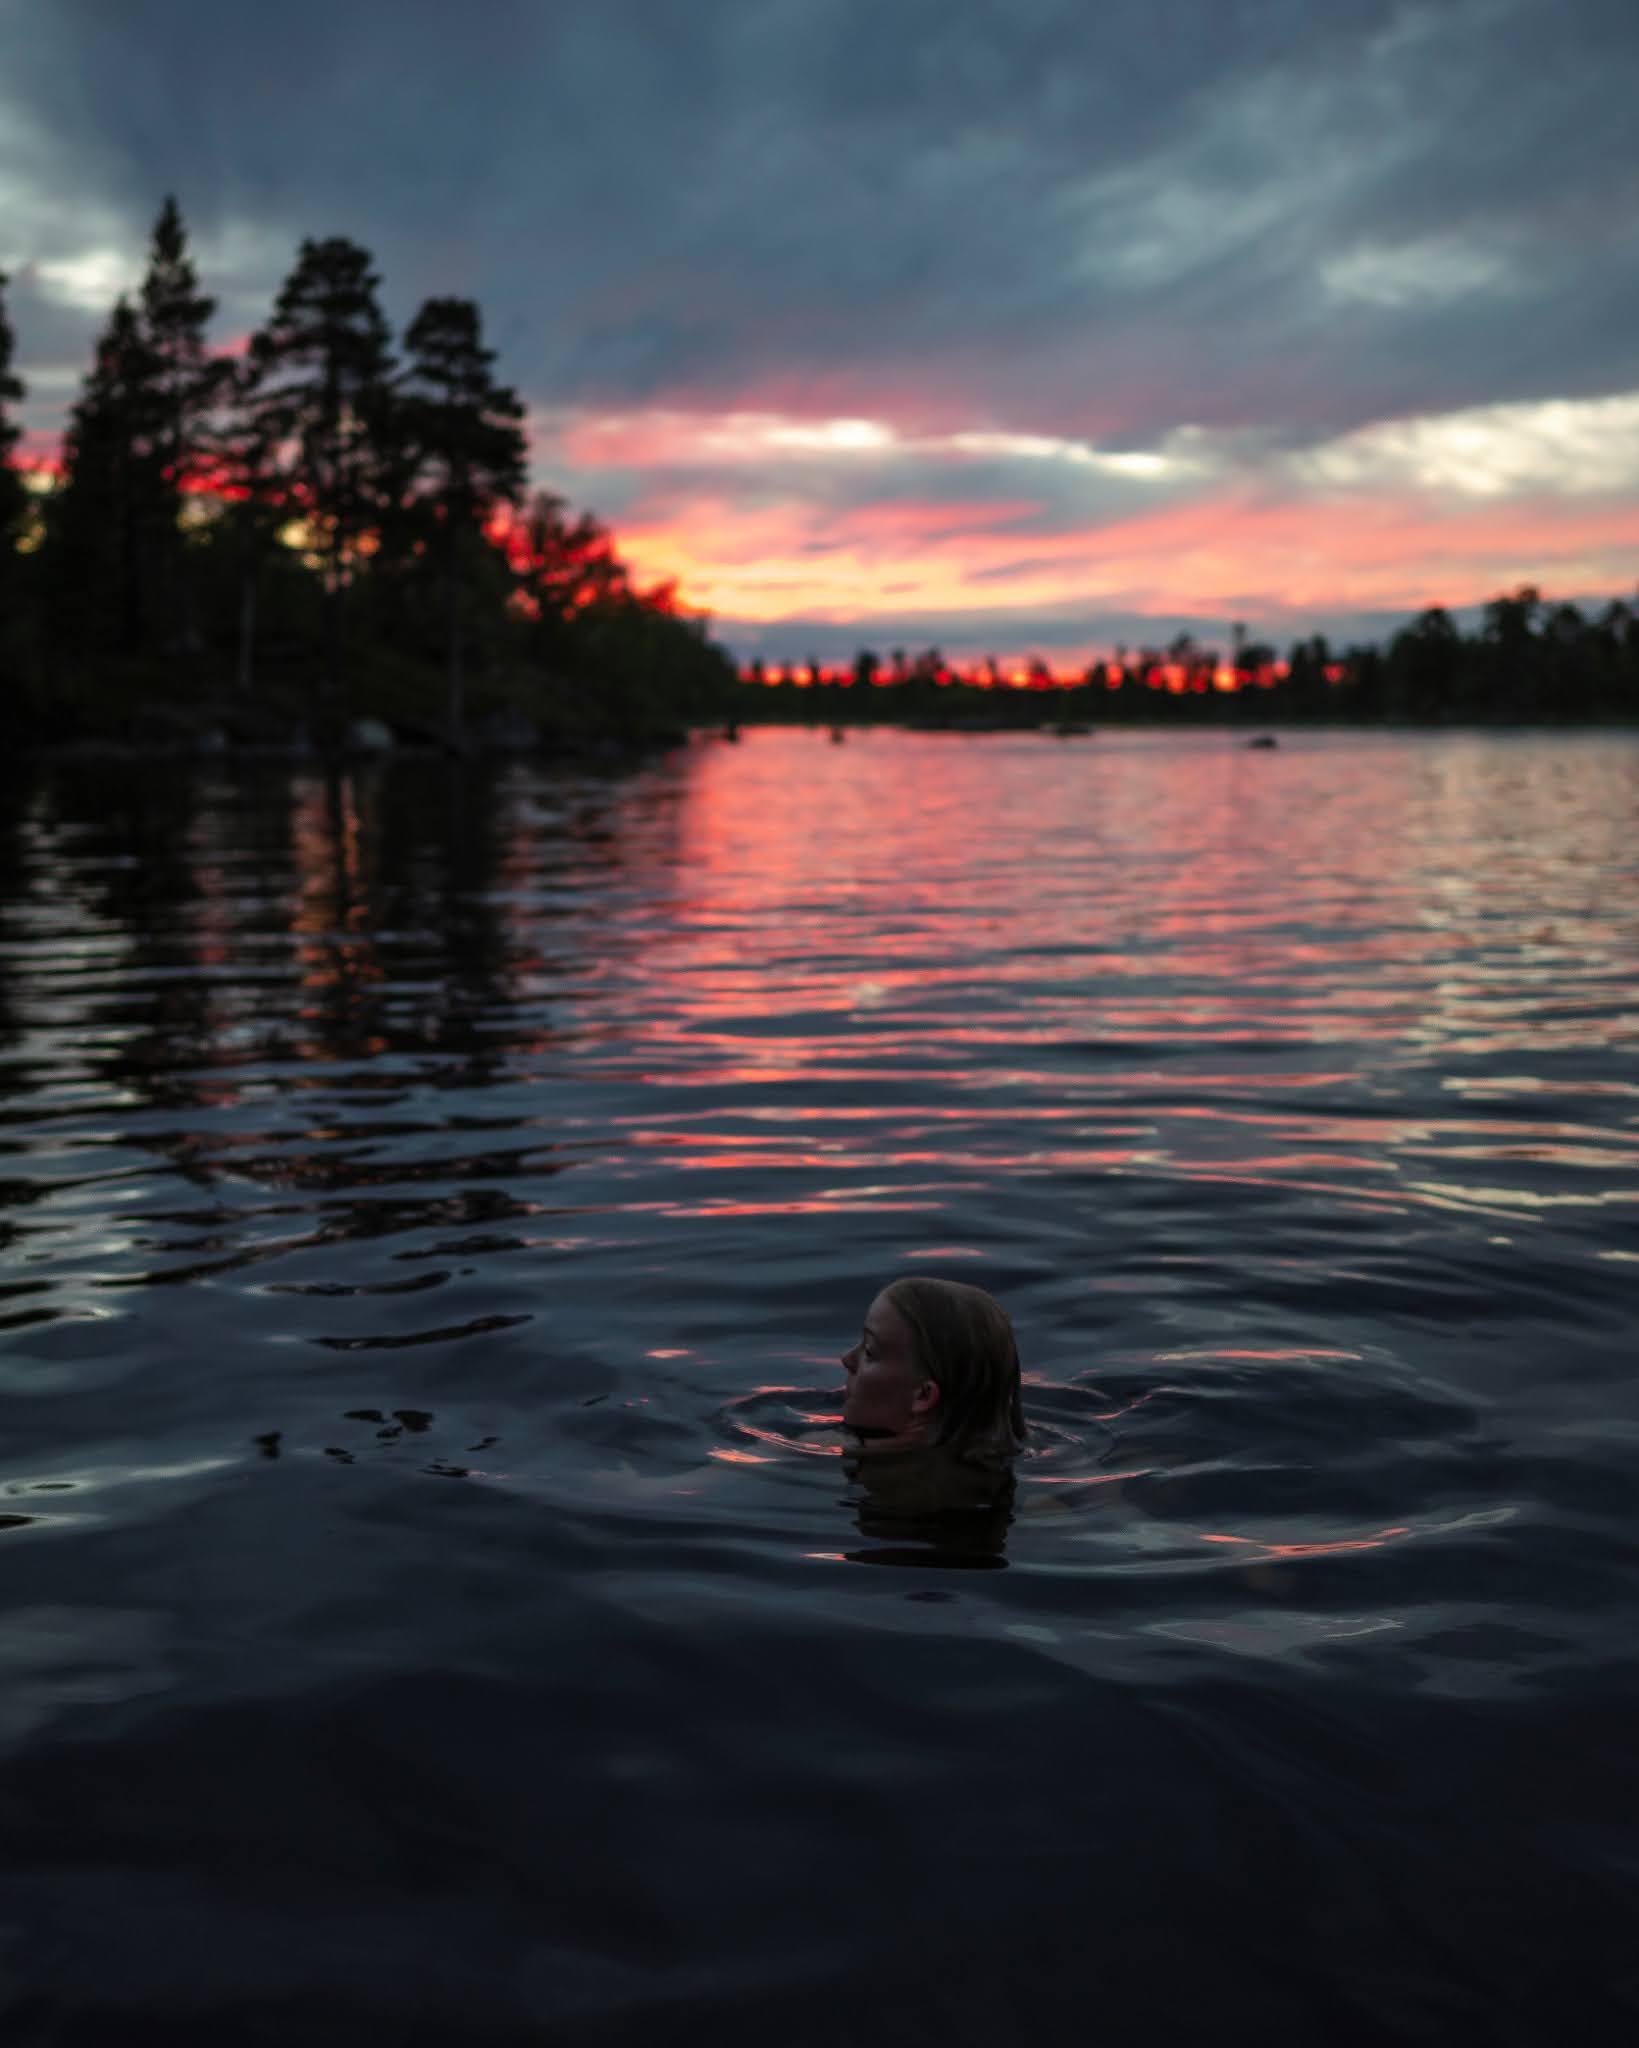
(926, 1398)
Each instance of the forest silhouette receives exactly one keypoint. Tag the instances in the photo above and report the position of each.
(1526, 661)
(315, 528)
(319, 526)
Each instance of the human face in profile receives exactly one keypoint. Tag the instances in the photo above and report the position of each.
(888, 1393)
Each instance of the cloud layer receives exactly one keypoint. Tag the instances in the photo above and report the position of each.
(1015, 325)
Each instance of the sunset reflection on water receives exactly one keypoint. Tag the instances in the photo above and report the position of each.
(447, 1189)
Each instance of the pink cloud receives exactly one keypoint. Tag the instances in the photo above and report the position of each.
(1237, 551)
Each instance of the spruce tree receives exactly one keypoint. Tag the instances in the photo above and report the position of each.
(321, 371)
(173, 317)
(13, 504)
(113, 497)
(244, 458)
(465, 434)
(13, 498)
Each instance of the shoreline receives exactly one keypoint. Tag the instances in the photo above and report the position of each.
(591, 749)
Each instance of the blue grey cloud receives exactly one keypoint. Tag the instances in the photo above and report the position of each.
(1128, 214)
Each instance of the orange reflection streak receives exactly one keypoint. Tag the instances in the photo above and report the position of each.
(1314, 1549)
(724, 1156)
(1088, 1478)
(727, 1457)
(783, 1443)
(835, 1202)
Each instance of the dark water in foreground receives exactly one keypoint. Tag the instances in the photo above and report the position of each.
(434, 1606)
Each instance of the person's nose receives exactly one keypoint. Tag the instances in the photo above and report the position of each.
(850, 1360)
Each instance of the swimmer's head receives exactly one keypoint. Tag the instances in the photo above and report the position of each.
(937, 1364)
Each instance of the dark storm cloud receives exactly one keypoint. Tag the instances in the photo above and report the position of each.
(1099, 219)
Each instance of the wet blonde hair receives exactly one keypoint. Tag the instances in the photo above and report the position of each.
(965, 1344)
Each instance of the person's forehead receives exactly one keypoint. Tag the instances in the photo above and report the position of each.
(881, 1318)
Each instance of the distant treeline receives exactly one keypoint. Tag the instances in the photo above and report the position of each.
(311, 526)
(1527, 661)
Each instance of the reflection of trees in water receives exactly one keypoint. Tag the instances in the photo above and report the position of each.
(115, 857)
(422, 902)
(102, 882)
(334, 914)
(199, 942)
(20, 824)
(435, 899)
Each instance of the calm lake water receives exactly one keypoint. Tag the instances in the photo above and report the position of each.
(434, 1204)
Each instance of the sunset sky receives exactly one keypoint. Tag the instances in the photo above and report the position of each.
(1024, 326)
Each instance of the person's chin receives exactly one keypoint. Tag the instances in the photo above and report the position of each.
(906, 1436)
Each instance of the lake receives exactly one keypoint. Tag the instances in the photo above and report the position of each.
(435, 1200)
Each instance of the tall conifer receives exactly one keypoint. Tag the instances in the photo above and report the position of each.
(174, 314)
(244, 456)
(466, 437)
(12, 495)
(321, 392)
(113, 495)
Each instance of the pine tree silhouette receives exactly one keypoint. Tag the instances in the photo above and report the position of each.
(465, 434)
(173, 316)
(321, 395)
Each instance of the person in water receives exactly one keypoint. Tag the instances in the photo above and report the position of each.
(934, 1410)
(936, 1367)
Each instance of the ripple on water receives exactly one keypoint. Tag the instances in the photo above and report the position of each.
(433, 1200)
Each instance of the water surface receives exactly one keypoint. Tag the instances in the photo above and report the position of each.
(434, 1201)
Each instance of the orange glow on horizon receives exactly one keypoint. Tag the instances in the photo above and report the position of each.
(1174, 677)
(1189, 536)
(1231, 552)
